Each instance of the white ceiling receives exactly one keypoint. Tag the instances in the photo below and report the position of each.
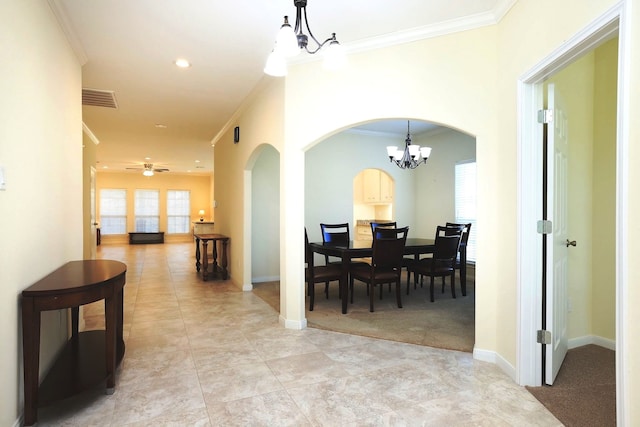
(128, 46)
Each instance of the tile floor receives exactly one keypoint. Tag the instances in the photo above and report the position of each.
(206, 354)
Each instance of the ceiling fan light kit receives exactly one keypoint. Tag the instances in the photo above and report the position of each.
(290, 41)
(149, 170)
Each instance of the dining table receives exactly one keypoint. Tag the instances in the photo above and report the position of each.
(362, 249)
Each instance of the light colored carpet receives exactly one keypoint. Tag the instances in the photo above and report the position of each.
(446, 323)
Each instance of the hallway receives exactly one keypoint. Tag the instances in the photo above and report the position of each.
(208, 354)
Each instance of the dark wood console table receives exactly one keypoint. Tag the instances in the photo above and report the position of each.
(206, 238)
(89, 357)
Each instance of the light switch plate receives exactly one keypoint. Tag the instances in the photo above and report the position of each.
(3, 185)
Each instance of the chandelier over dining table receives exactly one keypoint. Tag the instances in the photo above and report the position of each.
(290, 41)
(412, 156)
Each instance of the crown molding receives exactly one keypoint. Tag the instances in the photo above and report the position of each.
(452, 26)
(62, 17)
(90, 134)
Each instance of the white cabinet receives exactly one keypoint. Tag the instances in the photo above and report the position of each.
(377, 187)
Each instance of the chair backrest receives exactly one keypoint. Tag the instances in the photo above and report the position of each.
(466, 229)
(447, 243)
(374, 225)
(388, 247)
(335, 233)
(307, 249)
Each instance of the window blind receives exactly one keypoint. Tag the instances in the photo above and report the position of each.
(465, 202)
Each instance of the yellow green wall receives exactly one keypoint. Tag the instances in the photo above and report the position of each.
(603, 295)
(587, 88)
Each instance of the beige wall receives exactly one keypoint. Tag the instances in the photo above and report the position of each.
(467, 81)
(89, 149)
(261, 124)
(198, 185)
(41, 153)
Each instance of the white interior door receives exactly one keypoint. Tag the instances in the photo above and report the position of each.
(557, 292)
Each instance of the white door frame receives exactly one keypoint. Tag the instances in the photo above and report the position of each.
(529, 355)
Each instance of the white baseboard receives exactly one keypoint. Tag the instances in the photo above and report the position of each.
(293, 324)
(265, 279)
(496, 359)
(247, 287)
(592, 339)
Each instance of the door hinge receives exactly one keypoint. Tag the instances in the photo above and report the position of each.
(544, 337)
(545, 227)
(545, 116)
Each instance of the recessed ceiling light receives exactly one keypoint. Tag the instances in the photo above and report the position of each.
(197, 161)
(161, 126)
(182, 63)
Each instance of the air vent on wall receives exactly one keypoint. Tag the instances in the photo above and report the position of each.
(99, 98)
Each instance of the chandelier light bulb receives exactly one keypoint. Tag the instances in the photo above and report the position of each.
(286, 40)
(276, 65)
(334, 57)
(291, 40)
(411, 156)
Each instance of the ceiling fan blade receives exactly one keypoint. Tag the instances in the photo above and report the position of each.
(134, 169)
(161, 170)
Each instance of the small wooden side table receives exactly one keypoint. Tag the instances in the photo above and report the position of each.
(206, 238)
(89, 357)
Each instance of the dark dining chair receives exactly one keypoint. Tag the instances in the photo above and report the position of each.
(318, 274)
(442, 263)
(337, 234)
(374, 225)
(386, 263)
(461, 258)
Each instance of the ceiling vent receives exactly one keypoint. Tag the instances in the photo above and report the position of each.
(99, 98)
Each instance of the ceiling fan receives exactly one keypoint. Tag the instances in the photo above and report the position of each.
(148, 169)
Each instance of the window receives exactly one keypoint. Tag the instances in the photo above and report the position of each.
(465, 202)
(178, 211)
(113, 211)
(147, 211)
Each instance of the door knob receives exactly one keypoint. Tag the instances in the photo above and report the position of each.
(571, 243)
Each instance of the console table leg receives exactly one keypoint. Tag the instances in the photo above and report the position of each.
(110, 341)
(215, 257)
(205, 261)
(31, 359)
(197, 255)
(223, 261)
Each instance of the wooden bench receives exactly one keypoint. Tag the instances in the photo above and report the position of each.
(142, 238)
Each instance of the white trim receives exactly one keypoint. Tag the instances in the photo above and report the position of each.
(265, 279)
(293, 324)
(529, 362)
(90, 134)
(592, 339)
(496, 359)
(623, 403)
(60, 12)
(247, 287)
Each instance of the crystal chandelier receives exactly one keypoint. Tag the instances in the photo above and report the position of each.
(290, 41)
(412, 156)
